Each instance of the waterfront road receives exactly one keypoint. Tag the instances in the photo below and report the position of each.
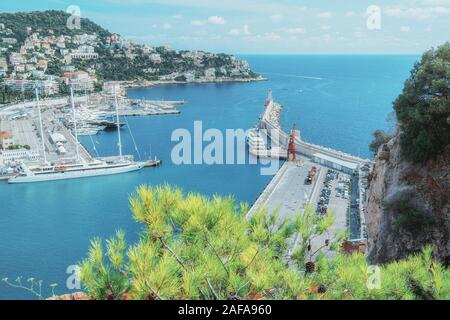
(288, 193)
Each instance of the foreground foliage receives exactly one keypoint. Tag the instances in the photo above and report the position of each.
(192, 247)
(423, 109)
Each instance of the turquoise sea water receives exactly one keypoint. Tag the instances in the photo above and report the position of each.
(336, 101)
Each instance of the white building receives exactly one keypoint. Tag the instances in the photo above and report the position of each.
(19, 155)
(80, 81)
(47, 87)
(21, 85)
(84, 53)
(57, 137)
(190, 76)
(335, 163)
(210, 73)
(110, 89)
(9, 40)
(16, 58)
(155, 58)
(38, 74)
(6, 139)
(3, 66)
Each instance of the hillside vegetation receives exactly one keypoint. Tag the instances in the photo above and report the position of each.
(45, 36)
(44, 21)
(423, 109)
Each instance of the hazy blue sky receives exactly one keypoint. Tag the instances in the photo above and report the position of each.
(266, 26)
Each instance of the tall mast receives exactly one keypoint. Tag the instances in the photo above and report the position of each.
(40, 125)
(75, 124)
(118, 123)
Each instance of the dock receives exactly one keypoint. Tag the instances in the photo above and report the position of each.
(153, 163)
(288, 193)
(270, 122)
(157, 102)
(143, 112)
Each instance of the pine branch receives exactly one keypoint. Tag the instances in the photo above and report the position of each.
(234, 254)
(216, 254)
(253, 259)
(214, 293)
(173, 253)
(154, 291)
(315, 252)
(242, 287)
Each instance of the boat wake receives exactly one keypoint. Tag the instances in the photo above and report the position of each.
(295, 76)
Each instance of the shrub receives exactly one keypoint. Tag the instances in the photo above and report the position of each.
(423, 108)
(380, 138)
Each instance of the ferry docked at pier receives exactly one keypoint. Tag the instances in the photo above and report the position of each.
(257, 146)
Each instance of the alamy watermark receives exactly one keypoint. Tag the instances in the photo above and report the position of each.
(73, 281)
(74, 21)
(373, 278)
(215, 147)
(373, 21)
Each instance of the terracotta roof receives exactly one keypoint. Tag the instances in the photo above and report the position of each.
(6, 134)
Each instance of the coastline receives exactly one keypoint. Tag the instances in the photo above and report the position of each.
(149, 84)
(153, 83)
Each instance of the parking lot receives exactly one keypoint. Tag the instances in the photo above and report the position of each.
(329, 191)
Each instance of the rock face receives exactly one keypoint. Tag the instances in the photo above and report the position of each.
(408, 206)
(73, 296)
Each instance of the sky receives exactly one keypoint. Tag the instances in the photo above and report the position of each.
(268, 26)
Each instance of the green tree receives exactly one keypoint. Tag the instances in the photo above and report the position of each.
(424, 107)
(195, 248)
(192, 247)
(380, 138)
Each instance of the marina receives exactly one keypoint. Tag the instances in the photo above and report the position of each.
(50, 149)
(80, 167)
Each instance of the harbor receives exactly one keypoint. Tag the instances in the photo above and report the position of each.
(40, 141)
(46, 227)
(325, 180)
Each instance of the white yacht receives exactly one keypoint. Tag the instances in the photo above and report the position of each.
(257, 146)
(79, 168)
(256, 143)
(74, 171)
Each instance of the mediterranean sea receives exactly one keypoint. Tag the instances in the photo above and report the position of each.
(336, 101)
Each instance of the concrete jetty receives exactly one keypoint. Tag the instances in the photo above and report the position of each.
(270, 121)
(288, 191)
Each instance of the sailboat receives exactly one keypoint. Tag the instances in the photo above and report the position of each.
(81, 168)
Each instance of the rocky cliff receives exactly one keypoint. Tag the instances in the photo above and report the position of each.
(408, 205)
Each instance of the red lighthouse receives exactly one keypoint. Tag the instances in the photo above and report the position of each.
(292, 156)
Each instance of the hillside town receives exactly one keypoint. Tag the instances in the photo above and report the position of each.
(52, 62)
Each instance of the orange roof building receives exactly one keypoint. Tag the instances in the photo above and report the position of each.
(6, 139)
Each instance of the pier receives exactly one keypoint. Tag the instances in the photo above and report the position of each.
(270, 121)
(336, 172)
